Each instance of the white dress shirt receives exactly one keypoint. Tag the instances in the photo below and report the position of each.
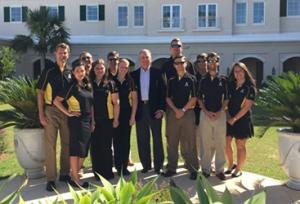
(145, 82)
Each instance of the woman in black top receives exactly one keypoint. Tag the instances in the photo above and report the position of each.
(105, 119)
(239, 126)
(128, 107)
(80, 100)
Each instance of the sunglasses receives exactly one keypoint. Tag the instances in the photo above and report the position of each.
(201, 61)
(87, 57)
(113, 59)
(178, 63)
(176, 46)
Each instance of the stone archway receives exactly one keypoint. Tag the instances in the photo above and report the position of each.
(159, 62)
(292, 64)
(37, 67)
(256, 67)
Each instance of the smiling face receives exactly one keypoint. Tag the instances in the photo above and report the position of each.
(145, 59)
(99, 70)
(239, 73)
(212, 66)
(176, 48)
(123, 68)
(180, 65)
(62, 55)
(79, 72)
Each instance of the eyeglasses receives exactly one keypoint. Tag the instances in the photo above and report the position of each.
(113, 59)
(201, 61)
(176, 46)
(178, 63)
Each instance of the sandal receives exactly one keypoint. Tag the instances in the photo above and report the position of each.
(230, 170)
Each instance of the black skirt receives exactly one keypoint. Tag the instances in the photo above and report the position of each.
(80, 135)
(241, 129)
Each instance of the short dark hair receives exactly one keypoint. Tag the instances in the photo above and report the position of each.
(62, 45)
(175, 40)
(113, 54)
(180, 57)
(213, 55)
(203, 56)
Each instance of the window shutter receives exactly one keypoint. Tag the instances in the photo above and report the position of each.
(101, 12)
(61, 13)
(283, 8)
(82, 13)
(24, 13)
(6, 14)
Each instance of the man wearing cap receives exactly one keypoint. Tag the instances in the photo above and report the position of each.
(181, 99)
(51, 82)
(213, 96)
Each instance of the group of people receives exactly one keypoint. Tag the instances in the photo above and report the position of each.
(94, 104)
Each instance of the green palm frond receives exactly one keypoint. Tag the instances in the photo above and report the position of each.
(21, 94)
(278, 103)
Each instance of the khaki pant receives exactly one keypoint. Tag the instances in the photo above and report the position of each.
(213, 135)
(56, 121)
(181, 130)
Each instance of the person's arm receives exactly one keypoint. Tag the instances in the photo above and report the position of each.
(133, 107)
(116, 108)
(58, 103)
(162, 95)
(246, 107)
(93, 123)
(40, 101)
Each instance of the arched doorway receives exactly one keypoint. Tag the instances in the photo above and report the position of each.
(292, 64)
(37, 67)
(159, 62)
(256, 67)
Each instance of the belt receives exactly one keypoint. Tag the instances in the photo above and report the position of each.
(145, 102)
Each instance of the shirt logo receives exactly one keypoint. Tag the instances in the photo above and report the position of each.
(69, 76)
(186, 84)
(242, 91)
(220, 83)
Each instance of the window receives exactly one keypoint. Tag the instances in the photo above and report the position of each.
(92, 12)
(207, 15)
(258, 12)
(53, 11)
(16, 14)
(240, 13)
(171, 16)
(139, 16)
(122, 16)
(293, 7)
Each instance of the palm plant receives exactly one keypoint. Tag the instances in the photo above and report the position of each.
(278, 102)
(21, 94)
(45, 33)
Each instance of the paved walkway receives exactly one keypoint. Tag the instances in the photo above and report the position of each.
(241, 188)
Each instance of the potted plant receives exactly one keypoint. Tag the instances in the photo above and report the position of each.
(21, 94)
(278, 104)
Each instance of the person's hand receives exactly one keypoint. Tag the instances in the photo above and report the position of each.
(132, 121)
(210, 115)
(231, 121)
(179, 113)
(216, 115)
(158, 114)
(43, 119)
(74, 114)
(115, 123)
(93, 126)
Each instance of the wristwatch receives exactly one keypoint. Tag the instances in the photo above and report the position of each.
(183, 110)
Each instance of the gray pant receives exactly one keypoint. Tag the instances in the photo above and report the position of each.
(182, 130)
(143, 127)
(56, 121)
(213, 135)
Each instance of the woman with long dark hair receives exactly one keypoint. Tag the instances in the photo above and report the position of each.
(105, 119)
(80, 100)
(239, 126)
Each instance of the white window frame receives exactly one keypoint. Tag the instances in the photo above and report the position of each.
(56, 6)
(171, 18)
(287, 11)
(133, 16)
(206, 16)
(87, 15)
(235, 13)
(122, 5)
(264, 16)
(10, 13)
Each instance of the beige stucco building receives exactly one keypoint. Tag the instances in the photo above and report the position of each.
(265, 34)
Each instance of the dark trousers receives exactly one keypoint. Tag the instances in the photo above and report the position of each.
(143, 127)
(101, 153)
(121, 142)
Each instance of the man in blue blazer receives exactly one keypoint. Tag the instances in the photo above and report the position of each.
(151, 106)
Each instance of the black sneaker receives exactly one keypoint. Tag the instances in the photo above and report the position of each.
(169, 173)
(158, 171)
(206, 175)
(193, 176)
(145, 171)
(221, 176)
(230, 170)
(50, 186)
(126, 172)
(64, 178)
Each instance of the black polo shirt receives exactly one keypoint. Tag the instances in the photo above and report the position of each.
(180, 90)
(125, 90)
(53, 81)
(213, 92)
(79, 99)
(103, 106)
(238, 95)
(168, 70)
